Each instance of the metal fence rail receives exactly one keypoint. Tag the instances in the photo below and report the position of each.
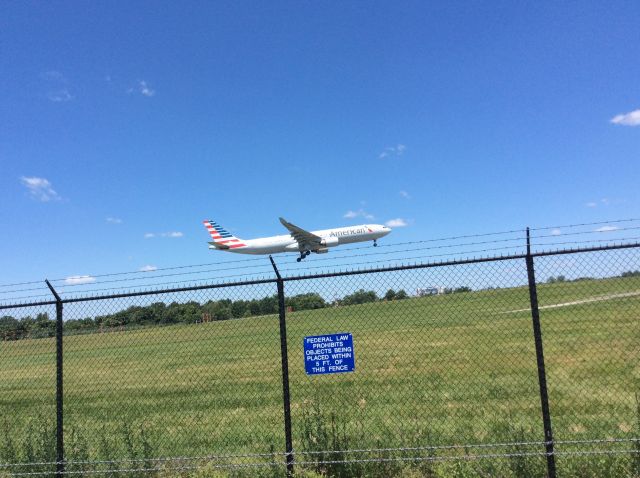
(519, 365)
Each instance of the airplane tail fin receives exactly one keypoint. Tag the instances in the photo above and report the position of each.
(221, 238)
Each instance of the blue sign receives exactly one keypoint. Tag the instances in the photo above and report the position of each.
(329, 354)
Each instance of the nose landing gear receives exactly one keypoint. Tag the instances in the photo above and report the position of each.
(375, 243)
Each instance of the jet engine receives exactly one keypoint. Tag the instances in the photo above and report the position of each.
(322, 250)
(330, 242)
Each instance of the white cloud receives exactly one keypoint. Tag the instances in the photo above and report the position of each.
(40, 189)
(359, 213)
(60, 96)
(627, 119)
(57, 85)
(75, 280)
(392, 151)
(398, 222)
(144, 89)
(556, 232)
(606, 229)
(405, 194)
(604, 202)
(149, 235)
(148, 268)
(114, 220)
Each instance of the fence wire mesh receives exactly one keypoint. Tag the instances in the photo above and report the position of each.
(590, 310)
(440, 361)
(446, 383)
(28, 387)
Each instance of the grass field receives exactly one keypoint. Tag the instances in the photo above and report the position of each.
(442, 370)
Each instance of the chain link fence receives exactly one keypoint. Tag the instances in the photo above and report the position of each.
(522, 366)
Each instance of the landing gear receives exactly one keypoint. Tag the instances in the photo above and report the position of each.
(303, 254)
(375, 243)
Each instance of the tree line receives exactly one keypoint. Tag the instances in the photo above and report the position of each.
(160, 313)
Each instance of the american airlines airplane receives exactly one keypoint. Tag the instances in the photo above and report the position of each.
(298, 240)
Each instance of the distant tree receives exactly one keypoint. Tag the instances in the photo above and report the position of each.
(190, 312)
(401, 295)
(74, 325)
(43, 326)
(630, 274)
(239, 309)
(156, 311)
(359, 297)
(457, 290)
(254, 307)
(221, 311)
(212, 307)
(171, 314)
(390, 295)
(9, 327)
(269, 305)
(310, 300)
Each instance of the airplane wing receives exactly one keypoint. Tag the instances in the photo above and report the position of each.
(305, 239)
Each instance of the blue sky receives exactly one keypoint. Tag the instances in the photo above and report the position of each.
(124, 124)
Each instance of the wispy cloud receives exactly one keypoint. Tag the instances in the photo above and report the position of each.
(606, 229)
(57, 85)
(604, 202)
(143, 88)
(398, 222)
(76, 280)
(405, 194)
(59, 96)
(40, 189)
(393, 151)
(556, 232)
(627, 119)
(359, 213)
(149, 235)
(148, 268)
(114, 220)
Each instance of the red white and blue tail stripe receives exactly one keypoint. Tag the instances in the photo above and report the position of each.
(221, 238)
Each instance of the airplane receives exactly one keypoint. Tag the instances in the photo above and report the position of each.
(298, 240)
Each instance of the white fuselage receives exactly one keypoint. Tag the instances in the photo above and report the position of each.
(331, 238)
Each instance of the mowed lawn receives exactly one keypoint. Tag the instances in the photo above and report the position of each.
(438, 370)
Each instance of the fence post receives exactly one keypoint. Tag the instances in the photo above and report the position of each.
(59, 383)
(285, 371)
(542, 376)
